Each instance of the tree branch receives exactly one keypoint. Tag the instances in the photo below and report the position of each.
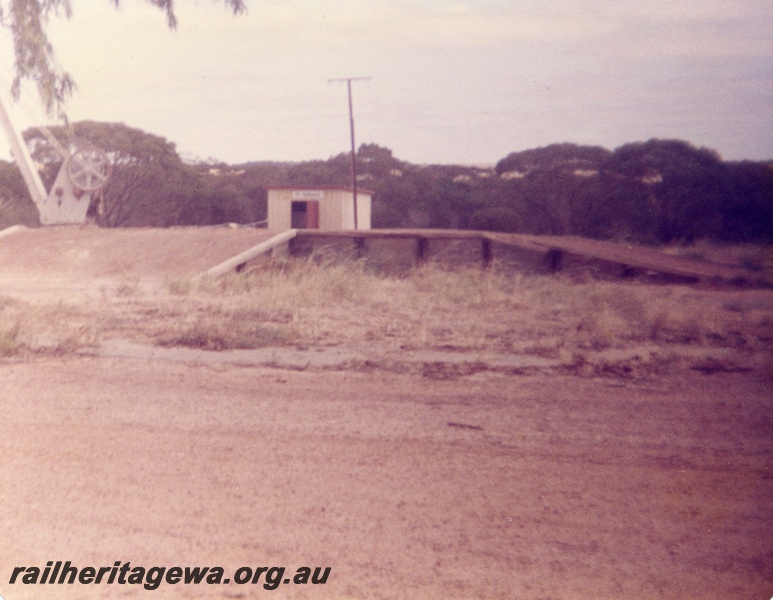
(35, 59)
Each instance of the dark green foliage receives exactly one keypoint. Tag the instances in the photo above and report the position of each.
(687, 186)
(659, 191)
(747, 209)
(556, 156)
(16, 206)
(495, 219)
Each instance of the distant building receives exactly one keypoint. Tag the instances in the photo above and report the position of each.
(319, 207)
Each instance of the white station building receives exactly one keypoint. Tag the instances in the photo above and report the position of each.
(328, 208)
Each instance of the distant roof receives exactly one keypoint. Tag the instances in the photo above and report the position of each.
(327, 188)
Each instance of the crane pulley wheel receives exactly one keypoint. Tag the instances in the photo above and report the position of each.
(89, 168)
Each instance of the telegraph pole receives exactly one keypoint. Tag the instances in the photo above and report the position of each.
(348, 81)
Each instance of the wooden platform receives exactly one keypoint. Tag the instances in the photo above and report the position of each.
(530, 253)
(90, 252)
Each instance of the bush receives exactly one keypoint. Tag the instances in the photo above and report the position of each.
(496, 219)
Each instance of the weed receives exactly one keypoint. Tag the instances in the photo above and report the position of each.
(10, 342)
(228, 334)
(179, 286)
(76, 337)
(128, 287)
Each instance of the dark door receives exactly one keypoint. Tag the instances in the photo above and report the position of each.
(312, 214)
(305, 214)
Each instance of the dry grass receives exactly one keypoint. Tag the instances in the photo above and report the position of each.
(53, 329)
(304, 303)
(748, 256)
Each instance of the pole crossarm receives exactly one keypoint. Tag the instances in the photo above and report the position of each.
(348, 79)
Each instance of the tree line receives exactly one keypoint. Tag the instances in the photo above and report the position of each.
(658, 191)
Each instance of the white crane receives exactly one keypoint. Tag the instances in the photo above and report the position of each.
(85, 170)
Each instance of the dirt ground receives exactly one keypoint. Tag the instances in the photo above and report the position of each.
(75, 262)
(488, 484)
(493, 487)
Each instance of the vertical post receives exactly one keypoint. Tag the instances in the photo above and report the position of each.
(354, 155)
(422, 249)
(348, 81)
(487, 252)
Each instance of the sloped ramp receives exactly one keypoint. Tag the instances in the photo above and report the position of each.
(238, 261)
(633, 257)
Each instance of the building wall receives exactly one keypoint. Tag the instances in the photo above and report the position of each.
(279, 206)
(331, 213)
(336, 210)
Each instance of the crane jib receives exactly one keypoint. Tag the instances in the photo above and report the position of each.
(85, 170)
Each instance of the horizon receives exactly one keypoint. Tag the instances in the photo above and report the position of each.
(196, 159)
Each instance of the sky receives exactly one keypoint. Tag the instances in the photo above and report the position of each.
(451, 82)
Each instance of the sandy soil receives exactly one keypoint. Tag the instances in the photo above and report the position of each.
(408, 487)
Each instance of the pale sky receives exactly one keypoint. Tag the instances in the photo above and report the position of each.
(458, 82)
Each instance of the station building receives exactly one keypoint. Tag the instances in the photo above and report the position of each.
(328, 208)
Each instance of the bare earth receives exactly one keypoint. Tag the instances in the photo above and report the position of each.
(485, 485)
(496, 487)
(72, 262)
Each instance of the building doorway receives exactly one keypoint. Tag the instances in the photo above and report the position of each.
(305, 214)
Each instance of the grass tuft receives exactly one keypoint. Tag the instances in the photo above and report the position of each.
(179, 286)
(228, 334)
(10, 342)
(127, 287)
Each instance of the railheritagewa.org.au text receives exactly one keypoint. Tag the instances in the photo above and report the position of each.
(151, 578)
